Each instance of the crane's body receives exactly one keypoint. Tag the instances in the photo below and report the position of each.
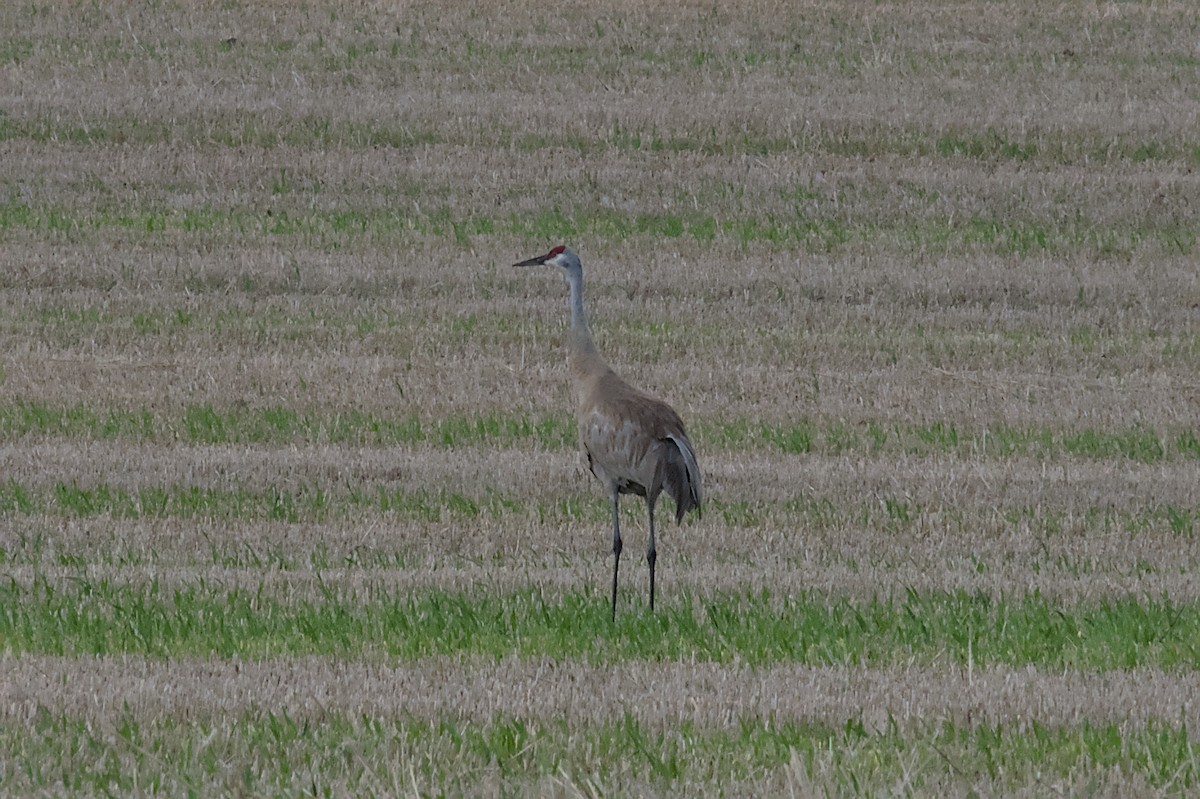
(635, 444)
(634, 440)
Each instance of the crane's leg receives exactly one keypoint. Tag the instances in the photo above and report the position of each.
(651, 552)
(616, 544)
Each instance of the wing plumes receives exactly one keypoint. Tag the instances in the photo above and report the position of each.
(681, 475)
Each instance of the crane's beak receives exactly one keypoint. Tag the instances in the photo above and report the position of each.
(538, 261)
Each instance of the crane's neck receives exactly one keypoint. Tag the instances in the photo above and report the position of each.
(584, 362)
(581, 334)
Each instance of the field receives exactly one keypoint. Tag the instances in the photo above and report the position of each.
(290, 498)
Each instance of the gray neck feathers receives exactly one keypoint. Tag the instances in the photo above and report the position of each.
(581, 335)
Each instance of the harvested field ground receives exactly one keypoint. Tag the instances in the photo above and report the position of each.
(290, 499)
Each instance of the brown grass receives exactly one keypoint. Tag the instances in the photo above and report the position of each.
(1003, 204)
(659, 695)
(963, 514)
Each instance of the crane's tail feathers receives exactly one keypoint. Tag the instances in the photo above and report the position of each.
(682, 476)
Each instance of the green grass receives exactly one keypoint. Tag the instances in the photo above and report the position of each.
(89, 616)
(278, 425)
(229, 130)
(204, 424)
(354, 502)
(1001, 235)
(262, 752)
(306, 503)
(235, 129)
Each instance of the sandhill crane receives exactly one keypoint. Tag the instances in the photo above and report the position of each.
(635, 444)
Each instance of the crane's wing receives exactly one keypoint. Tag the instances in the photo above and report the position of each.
(640, 443)
(681, 475)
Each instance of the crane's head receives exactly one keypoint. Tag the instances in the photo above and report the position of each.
(561, 256)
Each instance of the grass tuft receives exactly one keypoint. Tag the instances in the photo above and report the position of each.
(261, 751)
(101, 617)
(279, 425)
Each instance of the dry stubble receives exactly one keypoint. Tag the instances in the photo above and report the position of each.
(1001, 202)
